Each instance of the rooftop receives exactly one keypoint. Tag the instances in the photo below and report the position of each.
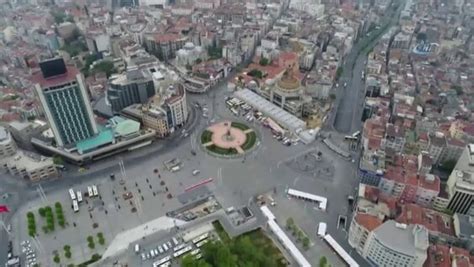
(28, 161)
(69, 76)
(432, 220)
(281, 116)
(369, 222)
(406, 239)
(104, 137)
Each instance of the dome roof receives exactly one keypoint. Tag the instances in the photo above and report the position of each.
(189, 46)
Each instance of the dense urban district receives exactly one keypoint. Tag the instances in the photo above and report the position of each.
(228, 133)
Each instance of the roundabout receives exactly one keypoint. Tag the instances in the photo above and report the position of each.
(228, 139)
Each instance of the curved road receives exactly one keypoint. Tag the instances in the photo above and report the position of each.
(347, 113)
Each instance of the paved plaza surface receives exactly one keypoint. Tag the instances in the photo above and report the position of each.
(270, 167)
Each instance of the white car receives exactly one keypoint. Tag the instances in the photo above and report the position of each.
(143, 256)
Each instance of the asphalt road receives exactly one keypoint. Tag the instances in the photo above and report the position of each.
(347, 118)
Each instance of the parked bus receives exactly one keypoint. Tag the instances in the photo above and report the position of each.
(79, 196)
(162, 261)
(182, 251)
(94, 190)
(233, 110)
(195, 252)
(200, 244)
(75, 206)
(72, 194)
(179, 247)
(200, 238)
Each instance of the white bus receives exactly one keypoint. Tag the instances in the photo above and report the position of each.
(89, 191)
(195, 252)
(72, 194)
(200, 238)
(94, 190)
(75, 206)
(179, 247)
(79, 196)
(200, 244)
(162, 261)
(322, 229)
(182, 252)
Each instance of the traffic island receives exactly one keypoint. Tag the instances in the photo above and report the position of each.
(228, 139)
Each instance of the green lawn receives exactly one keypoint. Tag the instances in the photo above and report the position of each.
(222, 151)
(239, 125)
(250, 142)
(206, 137)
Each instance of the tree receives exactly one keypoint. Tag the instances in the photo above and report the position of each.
(323, 262)
(306, 242)
(56, 258)
(339, 72)
(458, 89)
(104, 66)
(448, 166)
(42, 212)
(198, 61)
(255, 73)
(290, 223)
(58, 160)
(264, 61)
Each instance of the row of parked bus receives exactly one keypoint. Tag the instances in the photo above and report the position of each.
(77, 198)
(183, 249)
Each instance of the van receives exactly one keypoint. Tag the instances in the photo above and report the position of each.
(152, 253)
(160, 249)
(137, 248)
(165, 247)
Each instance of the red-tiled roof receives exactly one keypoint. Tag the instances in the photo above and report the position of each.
(369, 222)
(432, 220)
(438, 256)
(430, 185)
(167, 37)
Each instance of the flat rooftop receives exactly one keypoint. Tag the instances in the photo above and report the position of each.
(104, 137)
(283, 117)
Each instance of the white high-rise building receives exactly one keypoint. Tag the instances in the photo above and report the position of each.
(461, 183)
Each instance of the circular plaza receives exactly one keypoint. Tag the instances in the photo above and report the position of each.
(228, 139)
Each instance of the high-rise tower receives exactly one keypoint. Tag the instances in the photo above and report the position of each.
(64, 99)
